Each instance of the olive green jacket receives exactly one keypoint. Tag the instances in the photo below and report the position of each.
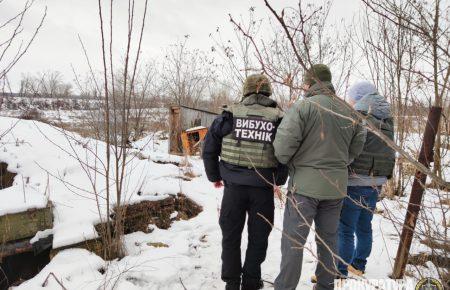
(317, 139)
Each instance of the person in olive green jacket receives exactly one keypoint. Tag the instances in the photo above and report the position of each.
(318, 138)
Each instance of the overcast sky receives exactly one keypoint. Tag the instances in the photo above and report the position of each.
(57, 46)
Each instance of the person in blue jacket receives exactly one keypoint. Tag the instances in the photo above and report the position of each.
(367, 174)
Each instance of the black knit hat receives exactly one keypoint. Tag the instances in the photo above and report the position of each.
(317, 72)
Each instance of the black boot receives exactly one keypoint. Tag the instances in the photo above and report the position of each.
(232, 286)
(252, 285)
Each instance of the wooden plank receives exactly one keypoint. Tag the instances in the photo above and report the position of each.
(18, 247)
(192, 141)
(175, 146)
(193, 118)
(25, 224)
(95, 246)
(182, 118)
(15, 247)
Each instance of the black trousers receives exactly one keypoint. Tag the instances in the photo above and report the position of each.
(237, 202)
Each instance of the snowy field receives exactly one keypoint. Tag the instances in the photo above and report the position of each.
(56, 116)
(53, 165)
(78, 116)
(87, 122)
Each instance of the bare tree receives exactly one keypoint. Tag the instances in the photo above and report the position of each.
(145, 101)
(419, 60)
(274, 55)
(428, 24)
(48, 84)
(186, 74)
(118, 92)
(13, 45)
(237, 53)
(218, 97)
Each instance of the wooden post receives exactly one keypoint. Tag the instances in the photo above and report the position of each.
(175, 146)
(415, 200)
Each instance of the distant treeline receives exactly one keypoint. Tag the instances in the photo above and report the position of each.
(13, 101)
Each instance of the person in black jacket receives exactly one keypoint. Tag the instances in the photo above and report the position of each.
(238, 154)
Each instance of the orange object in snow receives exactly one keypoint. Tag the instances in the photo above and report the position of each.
(192, 139)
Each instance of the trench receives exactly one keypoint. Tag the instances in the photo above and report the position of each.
(24, 261)
(20, 267)
(6, 177)
(139, 216)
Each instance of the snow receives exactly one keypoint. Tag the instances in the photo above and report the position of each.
(41, 235)
(67, 264)
(195, 128)
(173, 215)
(192, 258)
(59, 166)
(57, 116)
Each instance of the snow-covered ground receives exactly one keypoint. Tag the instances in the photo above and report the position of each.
(76, 117)
(44, 157)
(56, 116)
(68, 170)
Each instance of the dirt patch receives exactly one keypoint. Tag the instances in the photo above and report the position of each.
(159, 213)
(438, 260)
(157, 245)
(186, 207)
(139, 216)
(6, 177)
(182, 163)
(167, 162)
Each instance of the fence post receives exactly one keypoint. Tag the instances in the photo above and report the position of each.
(418, 188)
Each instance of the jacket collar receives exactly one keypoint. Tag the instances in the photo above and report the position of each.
(375, 105)
(322, 88)
(259, 99)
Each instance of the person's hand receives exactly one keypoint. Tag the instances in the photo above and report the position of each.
(277, 192)
(218, 184)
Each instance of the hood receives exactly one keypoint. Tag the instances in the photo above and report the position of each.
(259, 99)
(322, 88)
(375, 105)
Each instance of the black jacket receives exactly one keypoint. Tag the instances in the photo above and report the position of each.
(219, 170)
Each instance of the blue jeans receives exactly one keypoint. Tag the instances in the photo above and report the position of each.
(356, 219)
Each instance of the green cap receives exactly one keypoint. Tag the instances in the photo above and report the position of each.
(319, 72)
(257, 84)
